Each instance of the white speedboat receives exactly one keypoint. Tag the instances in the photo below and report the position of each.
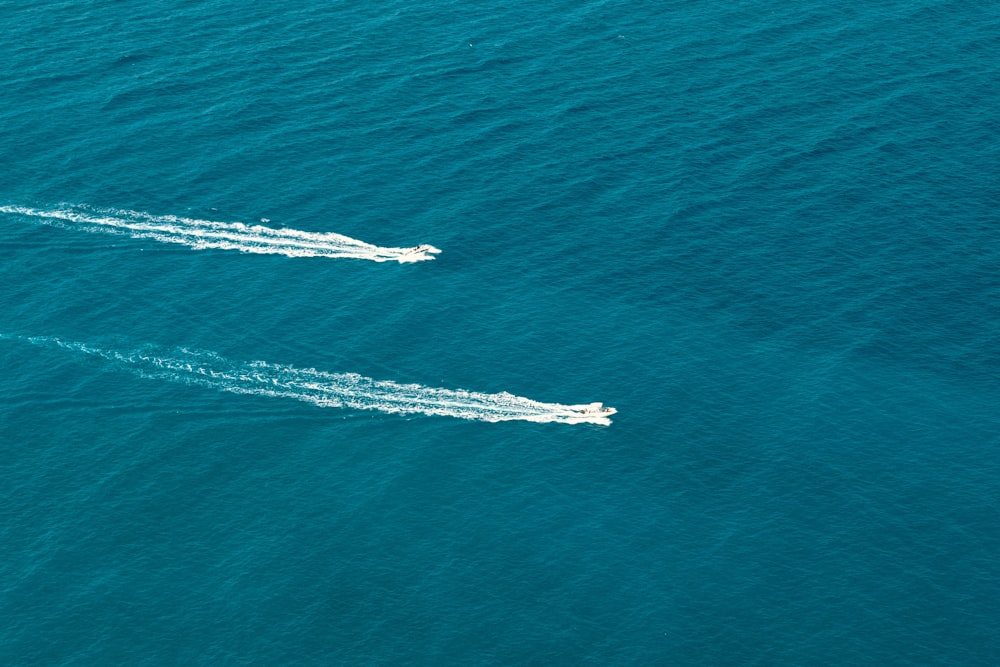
(597, 409)
(419, 253)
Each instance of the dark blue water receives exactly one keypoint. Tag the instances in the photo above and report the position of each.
(766, 234)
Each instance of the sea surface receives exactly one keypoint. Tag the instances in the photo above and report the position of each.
(250, 416)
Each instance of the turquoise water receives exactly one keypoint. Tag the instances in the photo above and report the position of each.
(246, 419)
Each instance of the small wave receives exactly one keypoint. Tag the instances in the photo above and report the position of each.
(330, 390)
(208, 234)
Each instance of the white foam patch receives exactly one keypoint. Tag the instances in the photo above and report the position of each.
(205, 234)
(332, 390)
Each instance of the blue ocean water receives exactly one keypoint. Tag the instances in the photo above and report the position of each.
(766, 233)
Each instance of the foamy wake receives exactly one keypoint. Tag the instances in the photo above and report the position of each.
(203, 234)
(331, 390)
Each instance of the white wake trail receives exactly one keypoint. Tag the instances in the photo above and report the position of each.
(332, 390)
(204, 234)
